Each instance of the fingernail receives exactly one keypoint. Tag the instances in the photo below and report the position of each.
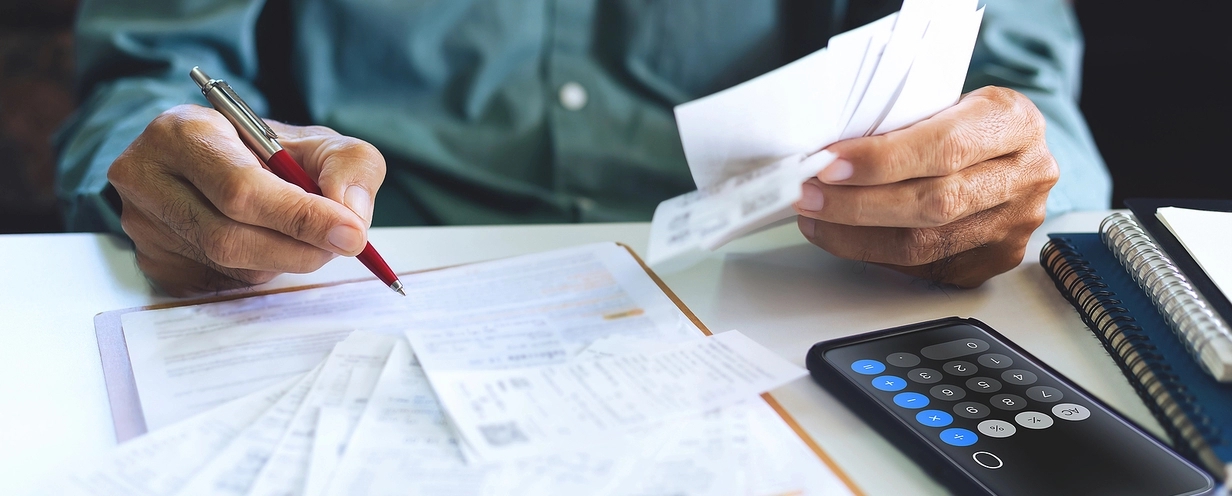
(810, 198)
(838, 171)
(346, 238)
(358, 200)
(817, 162)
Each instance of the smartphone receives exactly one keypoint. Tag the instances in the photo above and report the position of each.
(983, 416)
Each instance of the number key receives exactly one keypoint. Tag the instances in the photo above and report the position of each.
(959, 368)
(1008, 402)
(983, 384)
(947, 392)
(971, 410)
(924, 376)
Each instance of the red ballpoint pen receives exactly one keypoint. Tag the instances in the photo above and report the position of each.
(263, 142)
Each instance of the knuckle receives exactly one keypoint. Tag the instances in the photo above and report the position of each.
(919, 247)
(943, 204)
(223, 246)
(305, 221)
(187, 120)
(238, 196)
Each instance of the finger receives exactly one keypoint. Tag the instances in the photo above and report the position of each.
(224, 243)
(348, 170)
(900, 246)
(987, 123)
(922, 202)
(211, 157)
(970, 268)
(174, 266)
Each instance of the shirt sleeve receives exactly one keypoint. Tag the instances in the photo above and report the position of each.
(133, 58)
(1035, 47)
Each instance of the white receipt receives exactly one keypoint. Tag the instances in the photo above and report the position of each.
(350, 372)
(513, 413)
(233, 469)
(161, 461)
(875, 79)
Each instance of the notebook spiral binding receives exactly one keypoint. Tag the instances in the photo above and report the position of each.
(1163, 392)
(1190, 314)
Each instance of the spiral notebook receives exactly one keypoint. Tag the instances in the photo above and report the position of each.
(1134, 313)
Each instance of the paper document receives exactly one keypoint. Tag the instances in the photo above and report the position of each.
(160, 462)
(187, 359)
(875, 79)
(233, 469)
(513, 413)
(665, 409)
(346, 380)
(1206, 235)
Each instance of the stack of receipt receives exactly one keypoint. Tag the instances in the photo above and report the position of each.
(564, 372)
(750, 147)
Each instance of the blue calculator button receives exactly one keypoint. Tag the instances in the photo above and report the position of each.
(911, 400)
(934, 418)
(889, 383)
(868, 367)
(958, 437)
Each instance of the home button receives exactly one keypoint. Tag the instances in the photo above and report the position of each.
(987, 460)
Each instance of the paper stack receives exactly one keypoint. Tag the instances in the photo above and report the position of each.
(566, 372)
(750, 147)
(368, 420)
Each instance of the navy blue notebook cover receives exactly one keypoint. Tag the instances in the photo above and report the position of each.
(1194, 408)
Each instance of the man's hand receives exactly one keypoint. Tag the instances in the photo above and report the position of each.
(952, 199)
(205, 215)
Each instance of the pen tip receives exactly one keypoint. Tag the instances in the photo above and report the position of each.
(397, 286)
(401, 292)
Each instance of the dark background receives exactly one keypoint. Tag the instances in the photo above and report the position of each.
(1152, 94)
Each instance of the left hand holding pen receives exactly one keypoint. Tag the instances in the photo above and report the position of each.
(953, 198)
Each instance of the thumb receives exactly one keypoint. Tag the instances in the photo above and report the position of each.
(348, 170)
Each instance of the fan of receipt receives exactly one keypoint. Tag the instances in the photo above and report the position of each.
(750, 147)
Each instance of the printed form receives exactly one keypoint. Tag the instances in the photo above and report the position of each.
(317, 392)
(186, 360)
(512, 413)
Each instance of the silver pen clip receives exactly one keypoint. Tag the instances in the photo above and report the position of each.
(252, 129)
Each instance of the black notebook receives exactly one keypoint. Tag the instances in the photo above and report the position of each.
(1194, 408)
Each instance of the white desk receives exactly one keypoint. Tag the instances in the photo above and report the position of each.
(775, 287)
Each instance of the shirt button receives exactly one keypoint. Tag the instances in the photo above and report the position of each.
(573, 96)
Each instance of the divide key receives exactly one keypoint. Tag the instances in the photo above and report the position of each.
(954, 349)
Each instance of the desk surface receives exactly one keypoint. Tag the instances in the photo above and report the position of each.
(774, 286)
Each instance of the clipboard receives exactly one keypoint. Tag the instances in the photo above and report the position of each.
(129, 421)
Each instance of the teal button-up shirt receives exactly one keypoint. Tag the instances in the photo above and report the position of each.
(510, 111)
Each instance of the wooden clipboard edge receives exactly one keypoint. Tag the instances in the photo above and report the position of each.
(791, 421)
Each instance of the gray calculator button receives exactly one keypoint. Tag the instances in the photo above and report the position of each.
(983, 384)
(1044, 394)
(971, 410)
(955, 349)
(947, 392)
(1019, 377)
(995, 361)
(1008, 402)
(960, 368)
(902, 360)
(924, 376)
(1033, 420)
(996, 428)
(1070, 411)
